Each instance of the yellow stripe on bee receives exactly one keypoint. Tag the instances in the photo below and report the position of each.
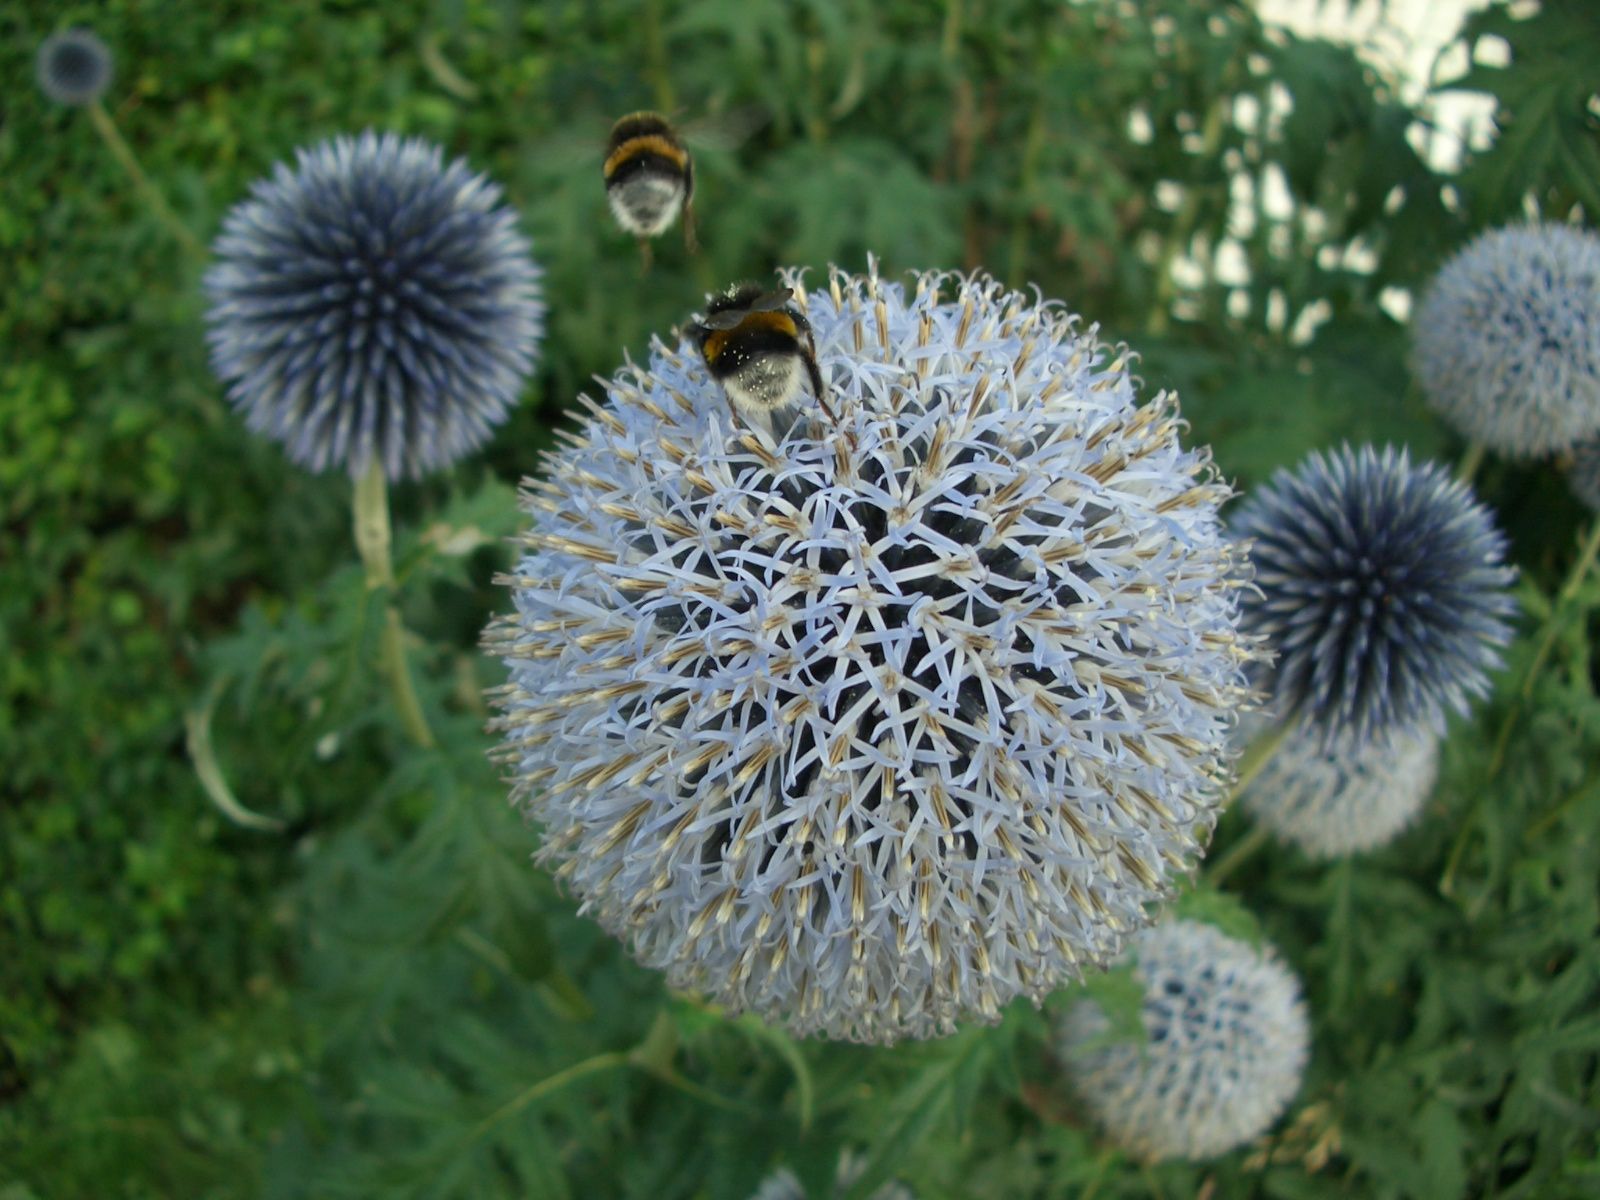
(650, 143)
(780, 321)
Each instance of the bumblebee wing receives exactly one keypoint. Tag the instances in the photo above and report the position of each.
(724, 131)
(771, 301)
(728, 318)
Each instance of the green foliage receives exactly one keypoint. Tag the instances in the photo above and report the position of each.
(384, 997)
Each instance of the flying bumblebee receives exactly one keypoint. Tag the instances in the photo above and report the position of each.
(649, 179)
(761, 349)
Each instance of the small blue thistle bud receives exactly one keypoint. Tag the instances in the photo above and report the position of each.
(1332, 801)
(1226, 1042)
(1507, 339)
(872, 724)
(373, 302)
(1381, 589)
(73, 67)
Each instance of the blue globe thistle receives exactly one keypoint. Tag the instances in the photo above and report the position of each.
(1507, 339)
(73, 67)
(875, 724)
(1381, 589)
(1331, 801)
(1584, 474)
(1225, 1044)
(373, 302)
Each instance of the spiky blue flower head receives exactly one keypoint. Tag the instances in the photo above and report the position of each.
(1225, 1044)
(873, 724)
(1506, 341)
(73, 67)
(1332, 801)
(1381, 588)
(1584, 474)
(373, 302)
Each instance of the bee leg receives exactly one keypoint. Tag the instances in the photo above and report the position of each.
(817, 389)
(690, 243)
(646, 257)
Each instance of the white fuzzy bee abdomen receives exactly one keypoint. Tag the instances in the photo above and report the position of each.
(767, 382)
(646, 204)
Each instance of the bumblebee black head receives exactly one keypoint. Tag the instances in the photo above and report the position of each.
(758, 346)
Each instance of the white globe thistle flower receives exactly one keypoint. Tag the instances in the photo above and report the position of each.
(1226, 1041)
(1507, 339)
(880, 724)
(1347, 797)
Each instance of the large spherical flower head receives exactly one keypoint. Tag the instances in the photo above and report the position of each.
(1507, 339)
(73, 67)
(372, 301)
(1343, 799)
(1380, 587)
(1226, 1041)
(882, 723)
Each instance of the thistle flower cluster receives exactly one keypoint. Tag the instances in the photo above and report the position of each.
(1226, 1041)
(1507, 339)
(1347, 798)
(880, 725)
(372, 302)
(73, 67)
(1381, 588)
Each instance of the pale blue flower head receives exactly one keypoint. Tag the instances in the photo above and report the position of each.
(1380, 587)
(373, 301)
(874, 724)
(73, 67)
(1346, 798)
(1225, 1044)
(1506, 340)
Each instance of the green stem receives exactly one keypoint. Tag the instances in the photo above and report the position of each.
(547, 1085)
(1237, 855)
(1502, 742)
(121, 151)
(1256, 757)
(1033, 145)
(656, 57)
(372, 540)
(1547, 641)
(1183, 223)
(1251, 764)
(1471, 460)
(950, 42)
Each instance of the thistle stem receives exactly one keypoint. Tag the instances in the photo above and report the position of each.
(1238, 854)
(1251, 763)
(1032, 147)
(1256, 757)
(1471, 460)
(547, 1085)
(1183, 224)
(372, 540)
(123, 153)
(1547, 640)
